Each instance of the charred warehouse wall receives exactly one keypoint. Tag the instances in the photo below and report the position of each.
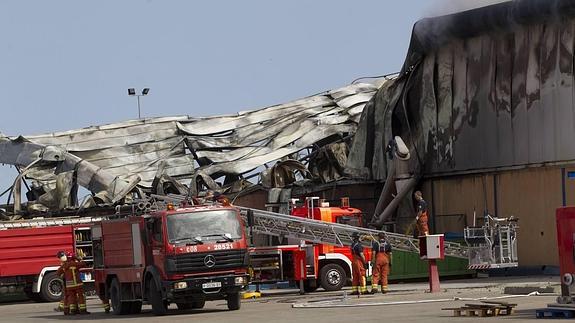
(502, 99)
(485, 101)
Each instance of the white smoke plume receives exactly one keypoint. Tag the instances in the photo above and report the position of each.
(446, 7)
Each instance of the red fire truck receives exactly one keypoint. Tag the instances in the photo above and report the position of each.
(313, 264)
(186, 255)
(28, 254)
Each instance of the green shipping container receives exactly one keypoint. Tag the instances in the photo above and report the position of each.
(407, 265)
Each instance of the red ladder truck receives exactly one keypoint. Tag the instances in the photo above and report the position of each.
(321, 255)
(325, 265)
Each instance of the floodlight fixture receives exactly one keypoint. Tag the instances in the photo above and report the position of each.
(132, 92)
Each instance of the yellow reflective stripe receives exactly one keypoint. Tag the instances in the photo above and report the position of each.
(354, 288)
(70, 285)
(74, 274)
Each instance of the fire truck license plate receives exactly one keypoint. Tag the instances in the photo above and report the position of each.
(211, 285)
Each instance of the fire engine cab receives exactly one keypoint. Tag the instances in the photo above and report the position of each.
(313, 265)
(186, 255)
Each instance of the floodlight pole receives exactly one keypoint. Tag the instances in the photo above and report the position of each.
(132, 92)
(139, 114)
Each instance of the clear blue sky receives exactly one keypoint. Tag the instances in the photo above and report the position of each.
(68, 64)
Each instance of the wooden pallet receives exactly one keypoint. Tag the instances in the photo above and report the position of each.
(555, 312)
(491, 309)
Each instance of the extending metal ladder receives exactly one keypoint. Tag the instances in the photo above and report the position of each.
(277, 224)
(41, 222)
(506, 244)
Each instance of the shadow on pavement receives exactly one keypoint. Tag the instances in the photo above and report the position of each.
(103, 316)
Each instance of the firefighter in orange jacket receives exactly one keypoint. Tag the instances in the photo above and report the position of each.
(381, 258)
(70, 270)
(421, 217)
(358, 263)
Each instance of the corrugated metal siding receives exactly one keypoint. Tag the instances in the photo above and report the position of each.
(499, 99)
(532, 195)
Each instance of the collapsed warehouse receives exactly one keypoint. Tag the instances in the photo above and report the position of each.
(305, 140)
(484, 103)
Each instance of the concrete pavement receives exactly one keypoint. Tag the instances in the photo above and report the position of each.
(408, 302)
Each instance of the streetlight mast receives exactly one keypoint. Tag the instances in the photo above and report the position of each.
(132, 92)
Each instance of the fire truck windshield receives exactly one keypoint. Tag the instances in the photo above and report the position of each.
(205, 225)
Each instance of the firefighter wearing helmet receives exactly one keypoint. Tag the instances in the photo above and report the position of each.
(381, 260)
(358, 264)
(74, 299)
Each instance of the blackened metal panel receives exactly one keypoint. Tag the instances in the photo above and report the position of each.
(565, 117)
(519, 99)
(460, 100)
(487, 115)
(519, 96)
(428, 108)
(466, 151)
(503, 77)
(549, 72)
(444, 130)
(533, 96)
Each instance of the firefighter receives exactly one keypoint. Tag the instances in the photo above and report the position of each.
(220, 198)
(358, 264)
(421, 217)
(381, 258)
(75, 301)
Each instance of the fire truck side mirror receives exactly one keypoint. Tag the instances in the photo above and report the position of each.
(150, 224)
(250, 216)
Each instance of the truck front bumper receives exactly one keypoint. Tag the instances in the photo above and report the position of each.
(206, 288)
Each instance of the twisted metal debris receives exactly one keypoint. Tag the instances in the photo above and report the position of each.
(120, 161)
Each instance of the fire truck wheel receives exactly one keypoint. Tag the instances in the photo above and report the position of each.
(184, 306)
(199, 304)
(332, 277)
(159, 307)
(51, 289)
(135, 307)
(234, 301)
(309, 286)
(118, 307)
(36, 297)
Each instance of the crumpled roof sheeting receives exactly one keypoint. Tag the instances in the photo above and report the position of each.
(231, 144)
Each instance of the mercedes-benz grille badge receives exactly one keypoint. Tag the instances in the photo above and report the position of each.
(210, 261)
